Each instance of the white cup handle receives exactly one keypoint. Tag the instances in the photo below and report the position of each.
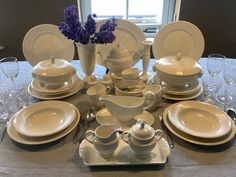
(125, 137)
(88, 136)
(149, 93)
(108, 89)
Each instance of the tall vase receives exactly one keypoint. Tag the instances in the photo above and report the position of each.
(87, 57)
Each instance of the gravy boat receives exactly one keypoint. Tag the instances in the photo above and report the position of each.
(125, 108)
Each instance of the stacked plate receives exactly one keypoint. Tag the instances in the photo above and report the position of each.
(43, 122)
(69, 88)
(199, 123)
(186, 92)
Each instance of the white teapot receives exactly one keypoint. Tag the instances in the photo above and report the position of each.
(119, 58)
(142, 139)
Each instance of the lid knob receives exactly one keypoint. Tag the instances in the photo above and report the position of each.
(52, 60)
(178, 56)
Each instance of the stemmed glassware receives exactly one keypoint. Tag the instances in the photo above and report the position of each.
(215, 65)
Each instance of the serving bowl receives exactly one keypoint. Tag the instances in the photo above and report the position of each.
(177, 70)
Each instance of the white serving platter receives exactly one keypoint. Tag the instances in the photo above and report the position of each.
(123, 155)
(44, 41)
(179, 37)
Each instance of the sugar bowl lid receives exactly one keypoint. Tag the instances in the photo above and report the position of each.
(118, 52)
(53, 67)
(142, 131)
(178, 65)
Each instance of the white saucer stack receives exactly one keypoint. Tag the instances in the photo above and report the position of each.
(67, 89)
(43, 122)
(199, 123)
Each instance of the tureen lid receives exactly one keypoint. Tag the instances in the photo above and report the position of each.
(178, 65)
(118, 51)
(142, 131)
(53, 67)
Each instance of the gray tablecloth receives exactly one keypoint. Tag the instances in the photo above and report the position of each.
(58, 158)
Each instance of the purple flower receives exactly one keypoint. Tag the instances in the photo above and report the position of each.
(74, 30)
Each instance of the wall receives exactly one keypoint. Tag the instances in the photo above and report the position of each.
(217, 21)
(17, 17)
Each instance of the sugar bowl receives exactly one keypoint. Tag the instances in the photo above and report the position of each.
(142, 139)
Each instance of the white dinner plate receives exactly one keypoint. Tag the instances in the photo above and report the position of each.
(199, 119)
(179, 37)
(44, 96)
(44, 41)
(41, 140)
(194, 139)
(104, 117)
(35, 84)
(185, 97)
(128, 35)
(44, 118)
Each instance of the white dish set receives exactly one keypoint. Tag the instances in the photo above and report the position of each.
(43, 122)
(199, 123)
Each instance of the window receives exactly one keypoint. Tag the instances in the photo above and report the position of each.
(149, 15)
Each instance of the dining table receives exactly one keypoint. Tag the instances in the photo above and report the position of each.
(60, 158)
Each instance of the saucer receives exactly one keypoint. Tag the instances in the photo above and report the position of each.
(104, 117)
(44, 96)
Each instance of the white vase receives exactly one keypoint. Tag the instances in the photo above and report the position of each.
(87, 57)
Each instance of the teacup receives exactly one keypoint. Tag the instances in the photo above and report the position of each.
(95, 92)
(105, 138)
(159, 95)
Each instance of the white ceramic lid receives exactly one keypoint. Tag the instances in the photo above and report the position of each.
(142, 131)
(178, 65)
(53, 67)
(118, 51)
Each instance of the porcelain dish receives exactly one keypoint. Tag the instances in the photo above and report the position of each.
(44, 118)
(199, 119)
(35, 84)
(123, 155)
(53, 73)
(103, 116)
(45, 40)
(194, 139)
(179, 37)
(78, 85)
(128, 35)
(41, 140)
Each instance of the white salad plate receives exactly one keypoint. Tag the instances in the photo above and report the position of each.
(179, 37)
(44, 118)
(45, 40)
(41, 140)
(128, 35)
(36, 85)
(103, 116)
(199, 119)
(194, 139)
(44, 96)
(123, 155)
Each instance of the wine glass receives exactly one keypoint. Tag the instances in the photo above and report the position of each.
(230, 80)
(215, 65)
(10, 67)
